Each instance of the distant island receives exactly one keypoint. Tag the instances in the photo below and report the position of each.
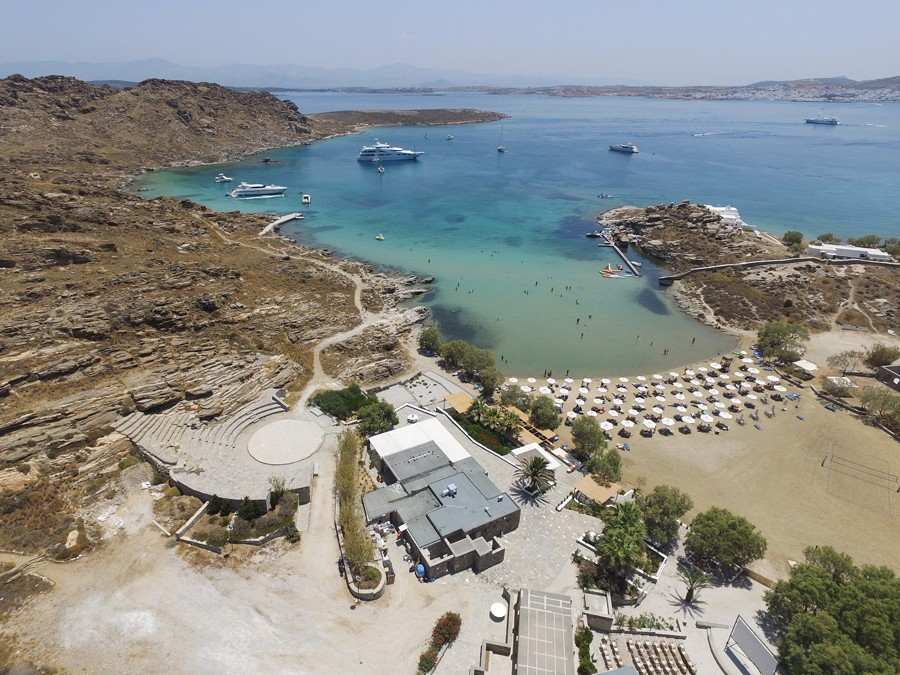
(819, 90)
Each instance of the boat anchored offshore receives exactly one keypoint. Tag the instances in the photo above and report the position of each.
(250, 190)
(222, 178)
(625, 148)
(382, 152)
(827, 121)
(379, 237)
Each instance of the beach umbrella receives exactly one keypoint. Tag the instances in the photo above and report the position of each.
(697, 394)
(531, 380)
(661, 399)
(606, 426)
(695, 382)
(714, 392)
(544, 390)
(586, 380)
(714, 364)
(592, 413)
(642, 389)
(525, 389)
(580, 402)
(605, 380)
(558, 401)
(773, 378)
(689, 373)
(702, 369)
(680, 409)
(671, 374)
(657, 376)
(724, 376)
(563, 391)
(779, 388)
(725, 415)
(687, 419)
(679, 396)
(613, 413)
(659, 387)
(753, 371)
(583, 390)
(513, 380)
(550, 380)
(720, 405)
(752, 397)
(730, 387)
(709, 382)
(571, 414)
(657, 410)
(747, 360)
(621, 391)
(667, 421)
(568, 380)
(627, 424)
(702, 406)
(599, 401)
(706, 418)
(641, 378)
(632, 412)
(639, 400)
(617, 401)
(649, 424)
(678, 385)
(623, 379)
(602, 390)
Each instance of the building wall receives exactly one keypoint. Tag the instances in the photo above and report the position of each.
(887, 377)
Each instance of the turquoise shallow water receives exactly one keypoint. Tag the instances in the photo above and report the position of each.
(503, 234)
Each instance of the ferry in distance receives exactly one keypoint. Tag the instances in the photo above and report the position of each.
(827, 121)
(249, 190)
(382, 152)
(625, 148)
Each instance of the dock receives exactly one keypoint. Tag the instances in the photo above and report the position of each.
(608, 241)
(274, 225)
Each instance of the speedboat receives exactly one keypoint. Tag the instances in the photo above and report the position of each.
(222, 178)
(596, 234)
(449, 137)
(827, 121)
(382, 152)
(379, 237)
(250, 190)
(306, 199)
(380, 169)
(500, 148)
(625, 148)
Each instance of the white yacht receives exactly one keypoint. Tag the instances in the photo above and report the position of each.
(222, 178)
(626, 148)
(249, 190)
(382, 152)
(827, 121)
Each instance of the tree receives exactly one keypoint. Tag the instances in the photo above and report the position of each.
(490, 379)
(833, 617)
(828, 238)
(792, 238)
(453, 352)
(622, 545)
(605, 465)
(516, 397)
(846, 360)
(720, 539)
(376, 418)
(881, 355)
(662, 508)
(882, 405)
(535, 471)
(782, 340)
(543, 413)
(587, 437)
(430, 340)
(474, 360)
(866, 241)
(695, 580)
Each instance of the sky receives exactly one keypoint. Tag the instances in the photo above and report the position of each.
(576, 41)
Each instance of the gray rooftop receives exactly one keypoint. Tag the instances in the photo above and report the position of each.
(544, 637)
(422, 532)
(416, 461)
(379, 503)
(467, 508)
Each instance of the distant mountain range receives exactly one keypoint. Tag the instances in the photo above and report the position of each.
(287, 76)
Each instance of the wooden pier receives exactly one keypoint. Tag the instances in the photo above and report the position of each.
(274, 226)
(608, 241)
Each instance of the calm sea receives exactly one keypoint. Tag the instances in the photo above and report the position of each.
(504, 233)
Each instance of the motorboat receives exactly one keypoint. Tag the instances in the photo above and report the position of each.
(222, 178)
(251, 190)
(383, 152)
(306, 199)
(827, 121)
(596, 234)
(379, 237)
(449, 137)
(381, 169)
(625, 148)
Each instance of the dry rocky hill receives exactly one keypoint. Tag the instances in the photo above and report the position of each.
(111, 303)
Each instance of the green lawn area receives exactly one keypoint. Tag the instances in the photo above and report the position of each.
(483, 435)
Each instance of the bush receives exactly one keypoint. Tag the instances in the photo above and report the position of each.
(881, 355)
(215, 536)
(543, 413)
(720, 539)
(782, 340)
(216, 505)
(828, 238)
(128, 461)
(792, 238)
(446, 630)
(517, 398)
(358, 548)
(428, 660)
(250, 510)
(866, 241)
(606, 465)
(583, 639)
(376, 418)
(430, 340)
(587, 437)
(171, 491)
(662, 508)
(240, 529)
(341, 403)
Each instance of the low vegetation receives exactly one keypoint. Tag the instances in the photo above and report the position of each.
(620, 549)
(721, 541)
(645, 621)
(543, 413)
(342, 404)
(583, 639)
(495, 428)
(376, 418)
(535, 473)
(662, 508)
(445, 631)
(831, 616)
(358, 549)
(882, 406)
(478, 365)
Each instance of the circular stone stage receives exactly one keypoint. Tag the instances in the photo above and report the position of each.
(285, 442)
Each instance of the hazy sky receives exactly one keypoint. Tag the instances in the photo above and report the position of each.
(657, 41)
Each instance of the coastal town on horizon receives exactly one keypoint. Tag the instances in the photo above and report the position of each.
(375, 369)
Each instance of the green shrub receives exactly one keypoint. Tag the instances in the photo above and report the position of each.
(376, 418)
(446, 630)
(250, 510)
(428, 660)
(216, 505)
(128, 461)
(341, 403)
(216, 536)
(171, 491)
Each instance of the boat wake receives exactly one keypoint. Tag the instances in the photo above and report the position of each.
(700, 134)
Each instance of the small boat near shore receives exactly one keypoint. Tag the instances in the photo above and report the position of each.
(222, 178)
(825, 121)
(379, 237)
(625, 148)
(257, 190)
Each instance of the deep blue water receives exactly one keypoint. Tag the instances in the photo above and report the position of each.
(499, 231)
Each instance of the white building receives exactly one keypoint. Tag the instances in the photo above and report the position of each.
(846, 251)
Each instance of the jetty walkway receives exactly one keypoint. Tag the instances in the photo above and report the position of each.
(608, 241)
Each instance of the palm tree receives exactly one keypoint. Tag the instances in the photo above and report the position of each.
(477, 411)
(536, 472)
(695, 580)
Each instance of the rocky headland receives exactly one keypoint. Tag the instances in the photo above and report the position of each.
(111, 303)
(824, 296)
